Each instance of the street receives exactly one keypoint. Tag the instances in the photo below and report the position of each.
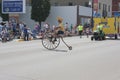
(89, 60)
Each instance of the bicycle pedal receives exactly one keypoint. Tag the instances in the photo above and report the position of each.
(55, 40)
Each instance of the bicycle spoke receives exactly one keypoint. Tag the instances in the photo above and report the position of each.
(49, 43)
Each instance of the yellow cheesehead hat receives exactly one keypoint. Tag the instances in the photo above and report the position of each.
(59, 18)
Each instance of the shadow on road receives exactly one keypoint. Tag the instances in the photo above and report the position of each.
(112, 39)
(58, 50)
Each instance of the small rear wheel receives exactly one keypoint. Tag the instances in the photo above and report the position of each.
(70, 47)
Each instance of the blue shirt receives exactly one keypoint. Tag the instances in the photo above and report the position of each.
(25, 30)
(1, 28)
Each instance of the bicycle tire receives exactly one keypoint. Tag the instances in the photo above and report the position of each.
(47, 42)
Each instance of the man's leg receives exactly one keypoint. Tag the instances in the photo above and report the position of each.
(80, 34)
(27, 37)
(24, 37)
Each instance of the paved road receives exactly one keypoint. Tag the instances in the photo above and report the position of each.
(89, 60)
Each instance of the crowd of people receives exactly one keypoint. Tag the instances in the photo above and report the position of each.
(22, 31)
(12, 31)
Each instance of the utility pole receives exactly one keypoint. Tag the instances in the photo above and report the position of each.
(92, 21)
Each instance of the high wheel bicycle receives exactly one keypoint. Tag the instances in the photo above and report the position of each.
(50, 42)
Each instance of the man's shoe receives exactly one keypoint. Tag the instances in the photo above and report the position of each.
(55, 39)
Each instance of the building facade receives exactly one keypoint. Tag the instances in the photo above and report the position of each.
(69, 2)
(100, 7)
(66, 2)
(103, 8)
(116, 6)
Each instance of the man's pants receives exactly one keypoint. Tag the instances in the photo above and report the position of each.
(80, 33)
(26, 37)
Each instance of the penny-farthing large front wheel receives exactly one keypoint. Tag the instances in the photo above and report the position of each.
(50, 43)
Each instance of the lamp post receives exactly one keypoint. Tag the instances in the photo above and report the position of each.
(92, 21)
(91, 3)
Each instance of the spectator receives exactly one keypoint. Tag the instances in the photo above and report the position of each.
(71, 27)
(46, 27)
(66, 26)
(87, 32)
(1, 28)
(37, 28)
(26, 34)
(80, 28)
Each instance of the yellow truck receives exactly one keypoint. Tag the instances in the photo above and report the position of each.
(111, 26)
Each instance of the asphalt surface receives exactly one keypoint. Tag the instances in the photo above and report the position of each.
(89, 60)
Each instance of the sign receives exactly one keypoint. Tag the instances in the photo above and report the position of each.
(96, 14)
(116, 14)
(13, 6)
(95, 5)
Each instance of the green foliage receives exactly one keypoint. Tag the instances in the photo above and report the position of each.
(5, 17)
(40, 10)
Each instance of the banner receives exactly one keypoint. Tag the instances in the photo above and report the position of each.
(116, 14)
(13, 6)
(95, 5)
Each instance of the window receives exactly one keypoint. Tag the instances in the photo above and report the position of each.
(55, 4)
(87, 4)
(119, 7)
(70, 4)
(28, 2)
(99, 5)
(109, 8)
(104, 7)
(104, 12)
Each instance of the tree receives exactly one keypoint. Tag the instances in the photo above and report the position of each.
(40, 10)
(5, 17)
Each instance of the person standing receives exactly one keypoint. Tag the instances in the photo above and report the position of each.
(1, 26)
(26, 34)
(3, 32)
(53, 28)
(46, 27)
(66, 26)
(71, 28)
(80, 29)
(87, 32)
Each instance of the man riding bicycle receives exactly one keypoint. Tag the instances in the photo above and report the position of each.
(55, 36)
(59, 31)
